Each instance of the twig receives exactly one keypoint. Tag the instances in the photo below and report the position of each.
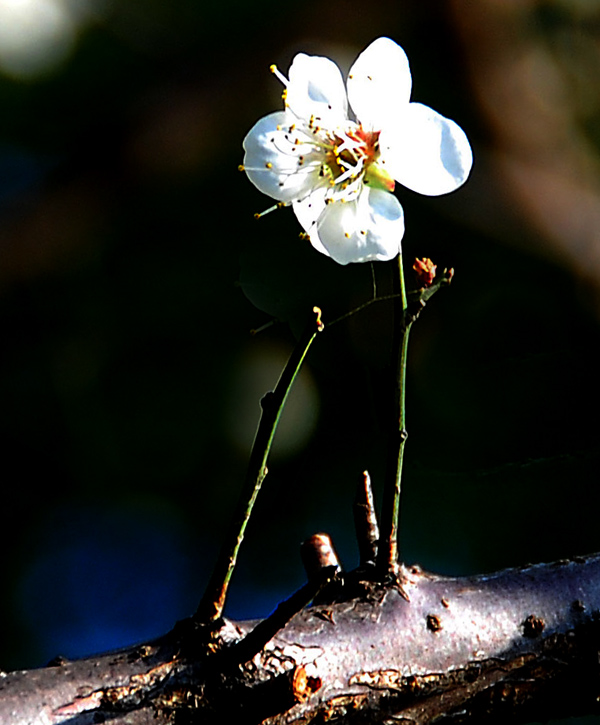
(213, 602)
(360, 308)
(255, 640)
(387, 558)
(406, 311)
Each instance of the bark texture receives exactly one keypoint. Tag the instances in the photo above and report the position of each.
(521, 644)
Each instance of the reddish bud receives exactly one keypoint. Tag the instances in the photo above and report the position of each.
(425, 271)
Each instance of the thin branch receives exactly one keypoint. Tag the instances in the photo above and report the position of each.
(406, 310)
(387, 559)
(213, 602)
(264, 631)
(360, 308)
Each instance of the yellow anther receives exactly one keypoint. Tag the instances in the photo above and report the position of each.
(347, 235)
(269, 165)
(241, 167)
(273, 68)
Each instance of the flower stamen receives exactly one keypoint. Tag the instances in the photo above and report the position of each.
(280, 205)
(278, 74)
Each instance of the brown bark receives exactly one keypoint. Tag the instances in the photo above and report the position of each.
(520, 644)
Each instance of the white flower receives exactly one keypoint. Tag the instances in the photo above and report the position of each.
(338, 171)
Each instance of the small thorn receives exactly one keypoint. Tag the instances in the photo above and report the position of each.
(365, 521)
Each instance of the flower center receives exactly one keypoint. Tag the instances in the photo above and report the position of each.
(351, 153)
(351, 158)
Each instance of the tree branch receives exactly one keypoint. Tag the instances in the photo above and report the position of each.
(520, 644)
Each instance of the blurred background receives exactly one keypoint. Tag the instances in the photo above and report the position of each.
(132, 273)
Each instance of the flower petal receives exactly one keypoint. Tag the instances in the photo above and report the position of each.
(278, 163)
(426, 152)
(308, 211)
(316, 88)
(379, 84)
(365, 229)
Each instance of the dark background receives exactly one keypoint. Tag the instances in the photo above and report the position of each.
(132, 272)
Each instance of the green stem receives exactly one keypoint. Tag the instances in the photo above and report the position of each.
(387, 558)
(213, 601)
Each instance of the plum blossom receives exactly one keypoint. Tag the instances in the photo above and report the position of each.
(336, 168)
